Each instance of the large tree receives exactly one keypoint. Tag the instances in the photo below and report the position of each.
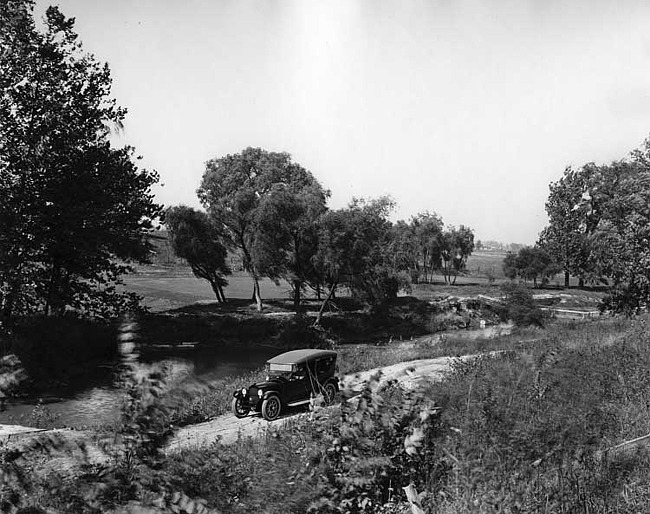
(457, 245)
(195, 239)
(286, 238)
(607, 211)
(530, 263)
(428, 230)
(74, 209)
(355, 251)
(263, 203)
(566, 236)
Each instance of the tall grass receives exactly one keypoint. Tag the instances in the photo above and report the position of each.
(523, 431)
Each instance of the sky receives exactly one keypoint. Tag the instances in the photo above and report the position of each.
(465, 108)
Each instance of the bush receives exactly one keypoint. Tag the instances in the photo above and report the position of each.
(520, 307)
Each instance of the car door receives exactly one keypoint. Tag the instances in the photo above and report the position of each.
(297, 388)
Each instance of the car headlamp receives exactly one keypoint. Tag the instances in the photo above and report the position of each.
(260, 393)
(244, 391)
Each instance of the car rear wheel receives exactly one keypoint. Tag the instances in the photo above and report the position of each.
(271, 408)
(329, 393)
(239, 409)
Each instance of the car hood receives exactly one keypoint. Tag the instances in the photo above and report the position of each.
(268, 384)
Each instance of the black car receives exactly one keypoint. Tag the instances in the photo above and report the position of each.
(292, 379)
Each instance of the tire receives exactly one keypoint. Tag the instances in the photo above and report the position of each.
(271, 408)
(329, 393)
(239, 409)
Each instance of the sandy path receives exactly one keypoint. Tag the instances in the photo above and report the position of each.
(228, 428)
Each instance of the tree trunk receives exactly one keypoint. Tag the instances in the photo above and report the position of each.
(330, 294)
(223, 296)
(297, 286)
(566, 280)
(216, 290)
(581, 282)
(256, 293)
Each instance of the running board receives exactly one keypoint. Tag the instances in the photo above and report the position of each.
(295, 404)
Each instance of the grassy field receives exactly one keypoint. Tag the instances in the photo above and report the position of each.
(165, 288)
(170, 288)
(482, 263)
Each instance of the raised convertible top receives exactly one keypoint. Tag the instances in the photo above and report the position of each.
(298, 356)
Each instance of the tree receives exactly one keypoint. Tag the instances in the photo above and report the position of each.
(510, 265)
(427, 228)
(530, 263)
(75, 211)
(565, 237)
(534, 263)
(354, 250)
(620, 240)
(457, 245)
(404, 250)
(195, 239)
(241, 191)
(286, 239)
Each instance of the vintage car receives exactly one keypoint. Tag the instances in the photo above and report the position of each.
(293, 378)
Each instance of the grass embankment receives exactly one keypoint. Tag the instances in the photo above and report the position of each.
(524, 431)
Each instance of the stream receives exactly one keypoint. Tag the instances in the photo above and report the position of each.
(94, 398)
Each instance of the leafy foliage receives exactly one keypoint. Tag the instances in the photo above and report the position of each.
(520, 307)
(384, 442)
(265, 205)
(457, 245)
(530, 263)
(354, 251)
(196, 239)
(74, 208)
(598, 228)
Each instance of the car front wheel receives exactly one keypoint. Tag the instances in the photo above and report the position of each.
(329, 393)
(271, 408)
(238, 408)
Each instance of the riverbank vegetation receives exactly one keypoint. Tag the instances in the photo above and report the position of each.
(529, 429)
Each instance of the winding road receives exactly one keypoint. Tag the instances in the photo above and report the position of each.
(227, 428)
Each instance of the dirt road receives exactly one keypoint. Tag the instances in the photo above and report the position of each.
(228, 428)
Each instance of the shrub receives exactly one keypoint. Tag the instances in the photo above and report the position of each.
(520, 306)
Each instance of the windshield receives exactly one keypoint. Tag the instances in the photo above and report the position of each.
(279, 370)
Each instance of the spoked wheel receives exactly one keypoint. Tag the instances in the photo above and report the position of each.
(271, 408)
(329, 393)
(239, 409)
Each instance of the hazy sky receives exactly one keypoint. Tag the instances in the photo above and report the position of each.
(466, 108)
